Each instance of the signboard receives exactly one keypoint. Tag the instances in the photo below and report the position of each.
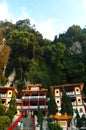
(35, 88)
(63, 124)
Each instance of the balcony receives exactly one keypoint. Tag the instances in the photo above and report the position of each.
(18, 100)
(73, 103)
(85, 103)
(18, 107)
(71, 94)
(33, 97)
(32, 107)
(3, 96)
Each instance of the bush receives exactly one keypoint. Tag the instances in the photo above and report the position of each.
(49, 120)
(54, 126)
(10, 114)
(4, 122)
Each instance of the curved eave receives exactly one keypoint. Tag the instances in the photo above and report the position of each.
(62, 117)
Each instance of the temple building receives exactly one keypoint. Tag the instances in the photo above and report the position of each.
(6, 94)
(75, 93)
(32, 97)
(62, 120)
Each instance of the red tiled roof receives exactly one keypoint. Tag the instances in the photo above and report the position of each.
(68, 85)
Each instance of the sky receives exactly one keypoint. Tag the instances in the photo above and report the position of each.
(51, 17)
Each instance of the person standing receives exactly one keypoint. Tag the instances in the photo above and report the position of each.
(18, 125)
(21, 125)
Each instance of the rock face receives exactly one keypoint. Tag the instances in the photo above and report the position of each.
(76, 48)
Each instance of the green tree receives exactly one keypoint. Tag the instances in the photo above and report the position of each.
(4, 122)
(74, 32)
(2, 108)
(58, 52)
(4, 55)
(39, 117)
(78, 119)
(54, 126)
(55, 40)
(12, 106)
(23, 23)
(58, 63)
(52, 107)
(66, 106)
(53, 61)
(40, 75)
(10, 114)
(83, 120)
(47, 54)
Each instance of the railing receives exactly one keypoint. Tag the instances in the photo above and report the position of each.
(34, 122)
(3, 95)
(71, 94)
(33, 107)
(15, 123)
(73, 103)
(85, 103)
(18, 107)
(34, 97)
(18, 100)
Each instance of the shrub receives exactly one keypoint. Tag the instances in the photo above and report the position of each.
(4, 122)
(54, 126)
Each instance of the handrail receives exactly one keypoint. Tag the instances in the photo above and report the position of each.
(34, 122)
(34, 97)
(34, 107)
(15, 123)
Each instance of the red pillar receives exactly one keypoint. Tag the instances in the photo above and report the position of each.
(38, 99)
(28, 106)
(75, 95)
(67, 125)
(45, 104)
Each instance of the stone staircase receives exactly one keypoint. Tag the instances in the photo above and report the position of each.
(28, 123)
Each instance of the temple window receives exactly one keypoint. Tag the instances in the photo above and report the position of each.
(74, 110)
(57, 91)
(57, 101)
(9, 92)
(81, 110)
(77, 90)
(79, 100)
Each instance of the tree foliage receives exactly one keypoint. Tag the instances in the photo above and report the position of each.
(4, 122)
(2, 108)
(66, 106)
(40, 117)
(52, 107)
(41, 60)
(12, 105)
(54, 126)
(4, 54)
(4, 118)
(78, 119)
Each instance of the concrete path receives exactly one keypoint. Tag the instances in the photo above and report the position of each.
(28, 123)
